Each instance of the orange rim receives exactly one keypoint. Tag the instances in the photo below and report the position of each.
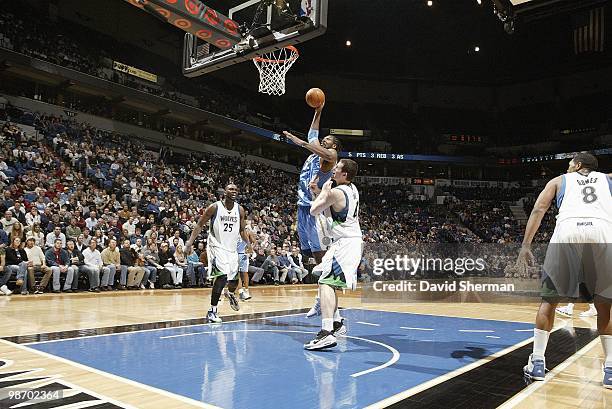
(289, 47)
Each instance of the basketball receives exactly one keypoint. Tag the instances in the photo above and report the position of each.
(315, 97)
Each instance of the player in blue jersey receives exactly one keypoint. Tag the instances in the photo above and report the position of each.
(317, 169)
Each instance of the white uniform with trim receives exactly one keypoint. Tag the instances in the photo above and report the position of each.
(339, 265)
(580, 249)
(223, 237)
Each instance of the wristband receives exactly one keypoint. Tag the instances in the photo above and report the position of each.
(313, 135)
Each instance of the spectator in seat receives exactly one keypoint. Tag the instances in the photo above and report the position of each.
(130, 270)
(270, 266)
(284, 266)
(16, 260)
(255, 266)
(166, 259)
(112, 263)
(93, 265)
(151, 256)
(8, 221)
(17, 232)
(37, 234)
(76, 261)
(36, 264)
(58, 259)
(56, 234)
(33, 217)
(3, 239)
(73, 231)
(295, 259)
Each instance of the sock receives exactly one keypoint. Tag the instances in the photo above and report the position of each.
(540, 339)
(606, 343)
(591, 306)
(337, 316)
(570, 307)
(213, 308)
(328, 324)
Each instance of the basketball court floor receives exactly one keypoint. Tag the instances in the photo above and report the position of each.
(152, 349)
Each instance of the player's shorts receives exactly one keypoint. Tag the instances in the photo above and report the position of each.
(339, 265)
(243, 262)
(311, 231)
(222, 262)
(578, 263)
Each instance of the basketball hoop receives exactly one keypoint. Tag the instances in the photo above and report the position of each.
(273, 67)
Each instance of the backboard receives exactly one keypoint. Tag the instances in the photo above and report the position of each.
(264, 26)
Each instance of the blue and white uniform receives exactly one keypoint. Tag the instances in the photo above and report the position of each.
(311, 229)
(243, 258)
(580, 249)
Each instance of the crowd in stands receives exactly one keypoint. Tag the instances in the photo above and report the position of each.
(95, 210)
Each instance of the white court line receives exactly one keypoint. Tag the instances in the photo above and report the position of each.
(418, 329)
(394, 359)
(367, 323)
(113, 377)
(204, 324)
(492, 336)
(523, 330)
(525, 393)
(443, 378)
(477, 330)
(434, 315)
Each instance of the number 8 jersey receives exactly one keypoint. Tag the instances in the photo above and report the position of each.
(585, 196)
(224, 230)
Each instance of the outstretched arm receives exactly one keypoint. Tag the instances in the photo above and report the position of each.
(208, 214)
(313, 144)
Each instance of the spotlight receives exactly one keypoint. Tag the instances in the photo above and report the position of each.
(479, 2)
(349, 43)
(477, 49)
(429, 3)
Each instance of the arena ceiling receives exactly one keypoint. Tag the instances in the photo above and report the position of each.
(394, 38)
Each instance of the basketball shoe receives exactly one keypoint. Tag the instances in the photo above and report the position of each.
(232, 300)
(213, 317)
(535, 369)
(324, 339)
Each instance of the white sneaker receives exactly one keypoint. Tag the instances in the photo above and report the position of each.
(315, 310)
(151, 285)
(4, 289)
(213, 317)
(248, 294)
(565, 311)
(592, 312)
(323, 340)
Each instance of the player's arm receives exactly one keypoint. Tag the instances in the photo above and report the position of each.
(327, 198)
(328, 155)
(205, 218)
(540, 208)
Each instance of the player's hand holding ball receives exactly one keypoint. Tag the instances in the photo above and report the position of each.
(315, 98)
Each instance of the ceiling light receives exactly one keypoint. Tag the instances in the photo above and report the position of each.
(349, 43)
(429, 3)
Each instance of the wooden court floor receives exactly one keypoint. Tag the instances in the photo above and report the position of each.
(576, 383)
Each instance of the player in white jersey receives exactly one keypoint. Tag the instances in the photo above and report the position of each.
(340, 205)
(227, 221)
(579, 257)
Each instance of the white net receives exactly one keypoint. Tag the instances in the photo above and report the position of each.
(272, 69)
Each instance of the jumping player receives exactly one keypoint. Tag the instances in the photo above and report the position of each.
(579, 257)
(317, 168)
(227, 221)
(340, 206)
